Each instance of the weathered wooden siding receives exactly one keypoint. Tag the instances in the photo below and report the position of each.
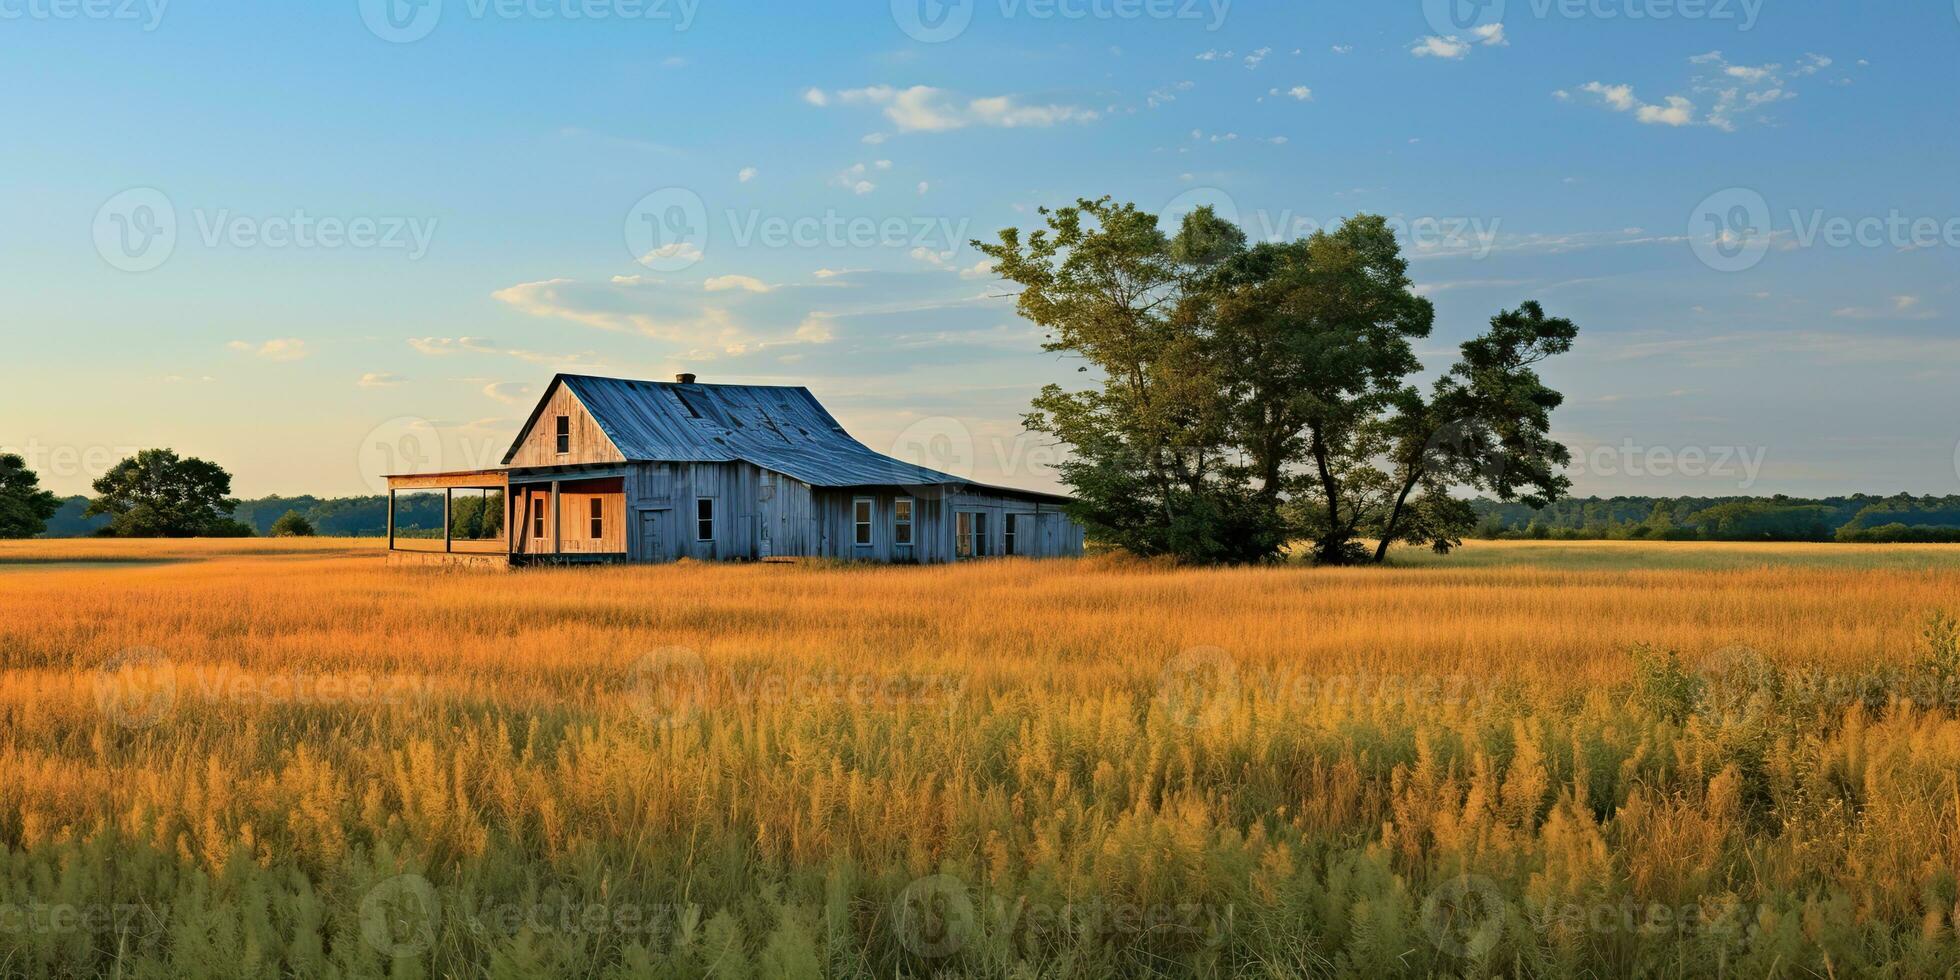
(538, 445)
(574, 519)
(651, 516)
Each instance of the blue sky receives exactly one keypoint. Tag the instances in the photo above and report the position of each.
(391, 236)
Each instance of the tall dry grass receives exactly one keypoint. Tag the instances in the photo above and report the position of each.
(282, 758)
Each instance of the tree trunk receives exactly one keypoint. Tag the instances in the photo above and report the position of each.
(1395, 514)
(1333, 544)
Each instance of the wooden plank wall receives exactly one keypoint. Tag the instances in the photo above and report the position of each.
(575, 520)
(805, 521)
(540, 442)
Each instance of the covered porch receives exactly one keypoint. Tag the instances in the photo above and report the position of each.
(556, 515)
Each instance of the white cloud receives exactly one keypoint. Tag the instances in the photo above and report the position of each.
(1491, 36)
(1217, 55)
(1901, 308)
(379, 379)
(874, 139)
(282, 349)
(853, 179)
(1341, 49)
(1677, 112)
(1440, 47)
(1297, 92)
(922, 108)
(747, 284)
(923, 187)
(816, 97)
(1736, 93)
(1276, 140)
(509, 392)
(1673, 111)
(1253, 60)
(747, 174)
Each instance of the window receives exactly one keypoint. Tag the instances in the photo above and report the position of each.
(1010, 531)
(564, 434)
(537, 517)
(970, 535)
(704, 519)
(902, 521)
(598, 518)
(861, 514)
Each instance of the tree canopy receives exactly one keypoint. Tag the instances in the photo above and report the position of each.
(157, 494)
(24, 506)
(1249, 395)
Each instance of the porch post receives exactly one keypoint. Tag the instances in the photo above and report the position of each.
(448, 503)
(391, 518)
(557, 523)
(510, 524)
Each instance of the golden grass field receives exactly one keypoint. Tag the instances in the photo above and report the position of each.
(283, 759)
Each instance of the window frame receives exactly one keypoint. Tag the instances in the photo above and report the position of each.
(970, 542)
(902, 526)
(598, 518)
(563, 436)
(864, 519)
(537, 517)
(700, 522)
(1010, 528)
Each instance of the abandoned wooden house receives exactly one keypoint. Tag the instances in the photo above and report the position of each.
(611, 470)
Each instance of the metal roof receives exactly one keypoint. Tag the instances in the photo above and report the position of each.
(778, 428)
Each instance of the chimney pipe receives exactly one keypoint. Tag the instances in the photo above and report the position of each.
(686, 379)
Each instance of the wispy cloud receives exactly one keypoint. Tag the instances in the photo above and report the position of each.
(924, 109)
(282, 349)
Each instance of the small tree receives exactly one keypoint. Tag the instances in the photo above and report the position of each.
(157, 494)
(24, 506)
(292, 524)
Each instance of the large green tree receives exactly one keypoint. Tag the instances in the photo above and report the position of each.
(1252, 393)
(1152, 463)
(24, 506)
(157, 494)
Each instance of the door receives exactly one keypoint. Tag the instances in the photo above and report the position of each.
(656, 536)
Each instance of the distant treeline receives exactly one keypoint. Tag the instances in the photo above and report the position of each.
(1858, 518)
(416, 515)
